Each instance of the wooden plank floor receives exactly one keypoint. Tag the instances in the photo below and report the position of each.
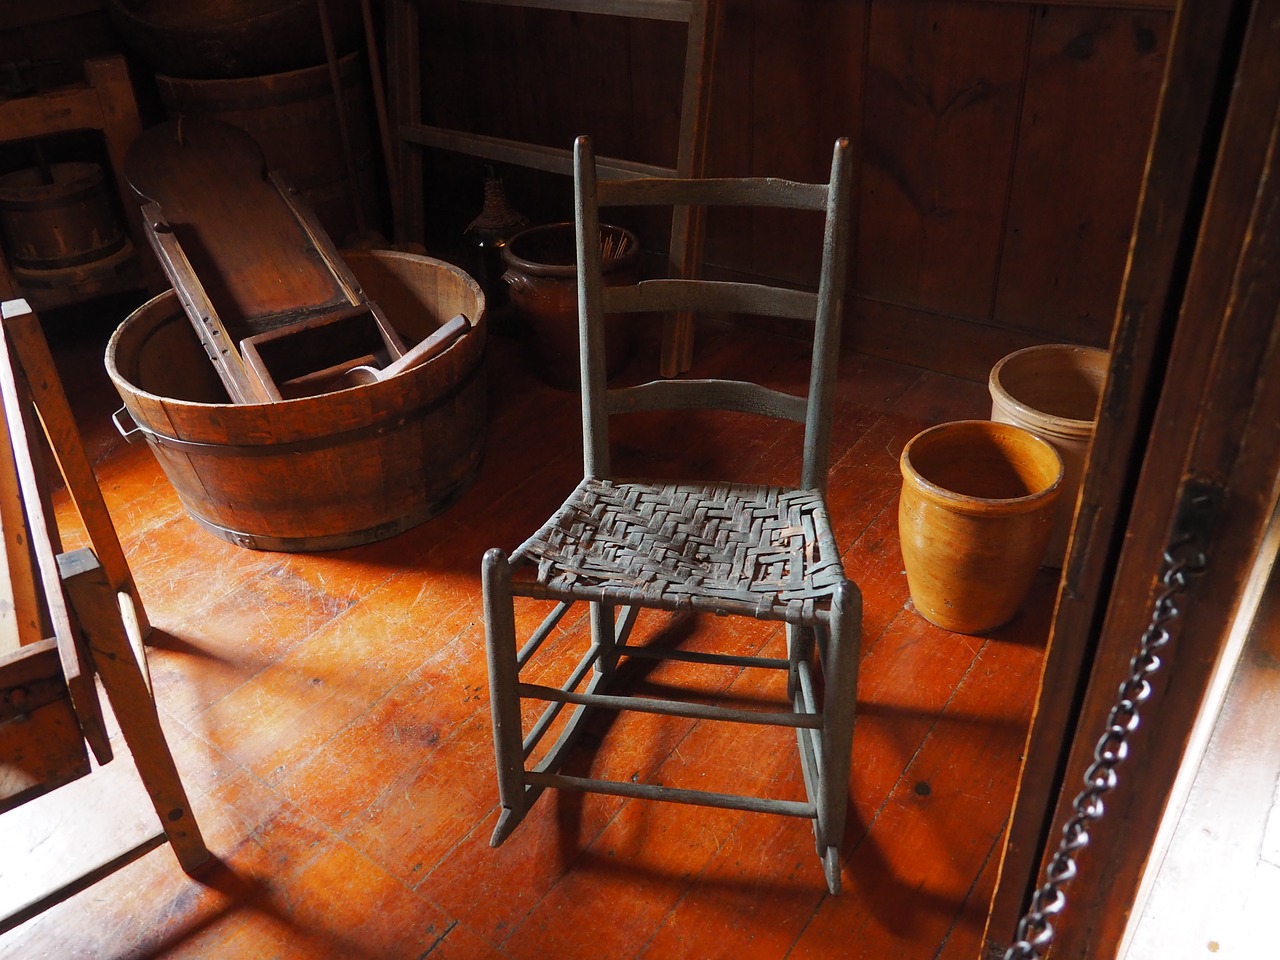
(329, 715)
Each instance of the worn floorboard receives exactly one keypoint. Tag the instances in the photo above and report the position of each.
(329, 715)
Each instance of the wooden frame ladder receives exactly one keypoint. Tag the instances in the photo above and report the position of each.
(87, 600)
(702, 18)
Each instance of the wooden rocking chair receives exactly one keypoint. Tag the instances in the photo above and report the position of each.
(765, 553)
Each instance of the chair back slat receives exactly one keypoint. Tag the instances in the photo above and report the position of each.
(690, 295)
(738, 395)
(711, 296)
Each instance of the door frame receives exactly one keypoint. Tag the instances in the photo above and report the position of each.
(1191, 394)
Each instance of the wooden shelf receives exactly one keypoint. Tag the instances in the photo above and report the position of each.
(680, 11)
(534, 156)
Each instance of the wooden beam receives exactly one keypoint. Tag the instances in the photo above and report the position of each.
(688, 224)
(94, 600)
(20, 617)
(534, 156)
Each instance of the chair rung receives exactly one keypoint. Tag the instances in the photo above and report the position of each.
(649, 791)
(694, 656)
(672, 708)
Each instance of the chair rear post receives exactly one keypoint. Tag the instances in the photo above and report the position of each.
(826, 334)
(595, 420)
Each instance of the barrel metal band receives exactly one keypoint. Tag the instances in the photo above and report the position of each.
(372, 430)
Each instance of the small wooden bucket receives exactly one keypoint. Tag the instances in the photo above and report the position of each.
(320, 472)
(69, 221)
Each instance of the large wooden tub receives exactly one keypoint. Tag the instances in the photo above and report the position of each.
(322, 472)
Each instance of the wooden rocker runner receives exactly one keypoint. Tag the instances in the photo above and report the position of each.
(278, 311)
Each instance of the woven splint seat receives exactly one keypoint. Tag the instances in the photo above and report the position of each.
(766, 552)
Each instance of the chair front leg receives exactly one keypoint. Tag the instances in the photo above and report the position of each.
(504, 695)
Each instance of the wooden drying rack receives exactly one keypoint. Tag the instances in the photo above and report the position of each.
(87, 600)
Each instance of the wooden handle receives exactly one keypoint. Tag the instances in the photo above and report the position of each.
(419, 354)
(432, 346)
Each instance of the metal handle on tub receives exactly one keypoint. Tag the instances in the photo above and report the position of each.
(125, 432)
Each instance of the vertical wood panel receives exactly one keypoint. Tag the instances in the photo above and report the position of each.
(807, 91)
(943, 86)
(729, 152)
(1092, 84)
(999, 145)
(590, 86)
(652, 77)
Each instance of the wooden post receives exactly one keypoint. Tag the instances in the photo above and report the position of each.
(109, 81)
(43, 538)
(109, 78)
(688, 225)
(19, 600)
(92, 597)
(404, 66)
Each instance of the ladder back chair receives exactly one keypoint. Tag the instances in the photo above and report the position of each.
(762, 552)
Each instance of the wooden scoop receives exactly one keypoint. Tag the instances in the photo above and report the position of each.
(432, 346)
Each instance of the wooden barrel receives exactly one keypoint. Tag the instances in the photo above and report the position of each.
(322, 472)
(293, 117)
(65, 220)
(232, 38)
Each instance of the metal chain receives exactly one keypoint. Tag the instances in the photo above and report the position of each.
(1035, 932)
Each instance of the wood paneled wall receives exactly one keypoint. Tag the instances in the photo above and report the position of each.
(1001, 145)
(43, 42)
